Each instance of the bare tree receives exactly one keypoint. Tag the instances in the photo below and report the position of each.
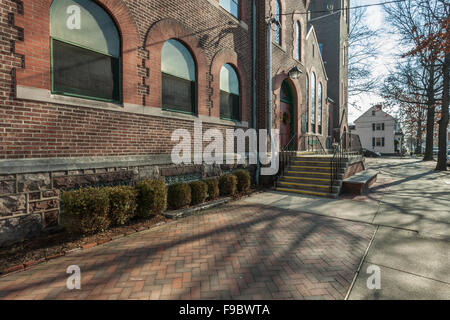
(410, 18)
(406, 90)
(438, 41)
(363, 48)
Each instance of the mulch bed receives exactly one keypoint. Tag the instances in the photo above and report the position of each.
(50, 246)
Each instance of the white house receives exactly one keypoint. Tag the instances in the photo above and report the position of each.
(378, 131)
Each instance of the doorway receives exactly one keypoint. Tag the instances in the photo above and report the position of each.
(286, 116)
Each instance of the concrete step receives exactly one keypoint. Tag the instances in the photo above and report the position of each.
(303, 168)
(309, 174)
(307, 187)
(306, 192)
(310, 163)
(323, 181)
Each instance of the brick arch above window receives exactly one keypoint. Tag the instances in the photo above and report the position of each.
(230, 57)
(37, 53)
(157, 35)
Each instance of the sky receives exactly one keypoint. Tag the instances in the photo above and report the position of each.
(382, 64)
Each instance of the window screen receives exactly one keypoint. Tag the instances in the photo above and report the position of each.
(83, 72)
(229, 105)
(178, 94)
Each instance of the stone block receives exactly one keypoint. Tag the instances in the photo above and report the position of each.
(148, 172)
(19, 228)
(7, 187)
(12, 204)
(34, 182)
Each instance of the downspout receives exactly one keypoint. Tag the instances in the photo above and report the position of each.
(258, 166)
(269, 79)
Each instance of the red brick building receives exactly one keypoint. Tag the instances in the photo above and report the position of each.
(91, 91)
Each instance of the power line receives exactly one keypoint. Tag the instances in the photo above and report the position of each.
(342, 9)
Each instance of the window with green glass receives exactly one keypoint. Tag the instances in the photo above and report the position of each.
(86, 51)
(230, 105)
(298, 52)
(232, 6)
(178, 78)
(305, 117)
(319, 110)
(278, 18)
(313, 102)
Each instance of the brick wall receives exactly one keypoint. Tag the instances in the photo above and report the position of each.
(50, 143)
(283, 59)
(32, 129)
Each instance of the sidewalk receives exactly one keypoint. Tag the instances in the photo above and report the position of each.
(411, 210)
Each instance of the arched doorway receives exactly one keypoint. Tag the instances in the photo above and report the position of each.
(286, 115)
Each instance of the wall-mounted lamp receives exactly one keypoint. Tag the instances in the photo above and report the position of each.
(295, 73)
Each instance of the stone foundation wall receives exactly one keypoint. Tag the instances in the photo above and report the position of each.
(29, 196)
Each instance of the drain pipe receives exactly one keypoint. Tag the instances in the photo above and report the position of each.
(269, 78)
(258, 165)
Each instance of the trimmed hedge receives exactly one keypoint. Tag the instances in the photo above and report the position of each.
(179, 195)
(228, 185)
(213, 188)
(199, 192)
(151, 197)
(243, 180)
(122, 204)
(85, 210)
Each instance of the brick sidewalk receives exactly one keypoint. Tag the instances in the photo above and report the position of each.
(239, 251)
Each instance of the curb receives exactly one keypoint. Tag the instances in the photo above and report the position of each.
(177, 214)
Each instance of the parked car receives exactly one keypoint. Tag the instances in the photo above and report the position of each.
(435, 150)
(371, 154)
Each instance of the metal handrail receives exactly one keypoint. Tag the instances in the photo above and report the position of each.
(290, 145)
(336, 162)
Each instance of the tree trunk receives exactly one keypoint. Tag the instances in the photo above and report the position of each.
(430, 117)
(443, 123)
(419, 136)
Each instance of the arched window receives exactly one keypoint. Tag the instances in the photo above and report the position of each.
(319, 111)
(178, 78)
(232, 6)
(278, 18)
(85, 51)
(298, 52)
(229, 93)
(313, 102)
(306, 114)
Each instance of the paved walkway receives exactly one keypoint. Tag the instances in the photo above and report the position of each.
(275, 246)
(410, 207)
(241, 251)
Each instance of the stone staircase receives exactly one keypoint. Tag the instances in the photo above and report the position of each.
(311, 175)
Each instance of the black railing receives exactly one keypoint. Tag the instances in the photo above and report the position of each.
(311, 143)
(337, 161)
(348, 145)
(285, 155)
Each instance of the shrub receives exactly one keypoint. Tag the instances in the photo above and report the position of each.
(213, 188)
(122, 204)
(151, 197)
(179, 195)
(228, 185)
(85, 210)
(243, 180)
(199, 192)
